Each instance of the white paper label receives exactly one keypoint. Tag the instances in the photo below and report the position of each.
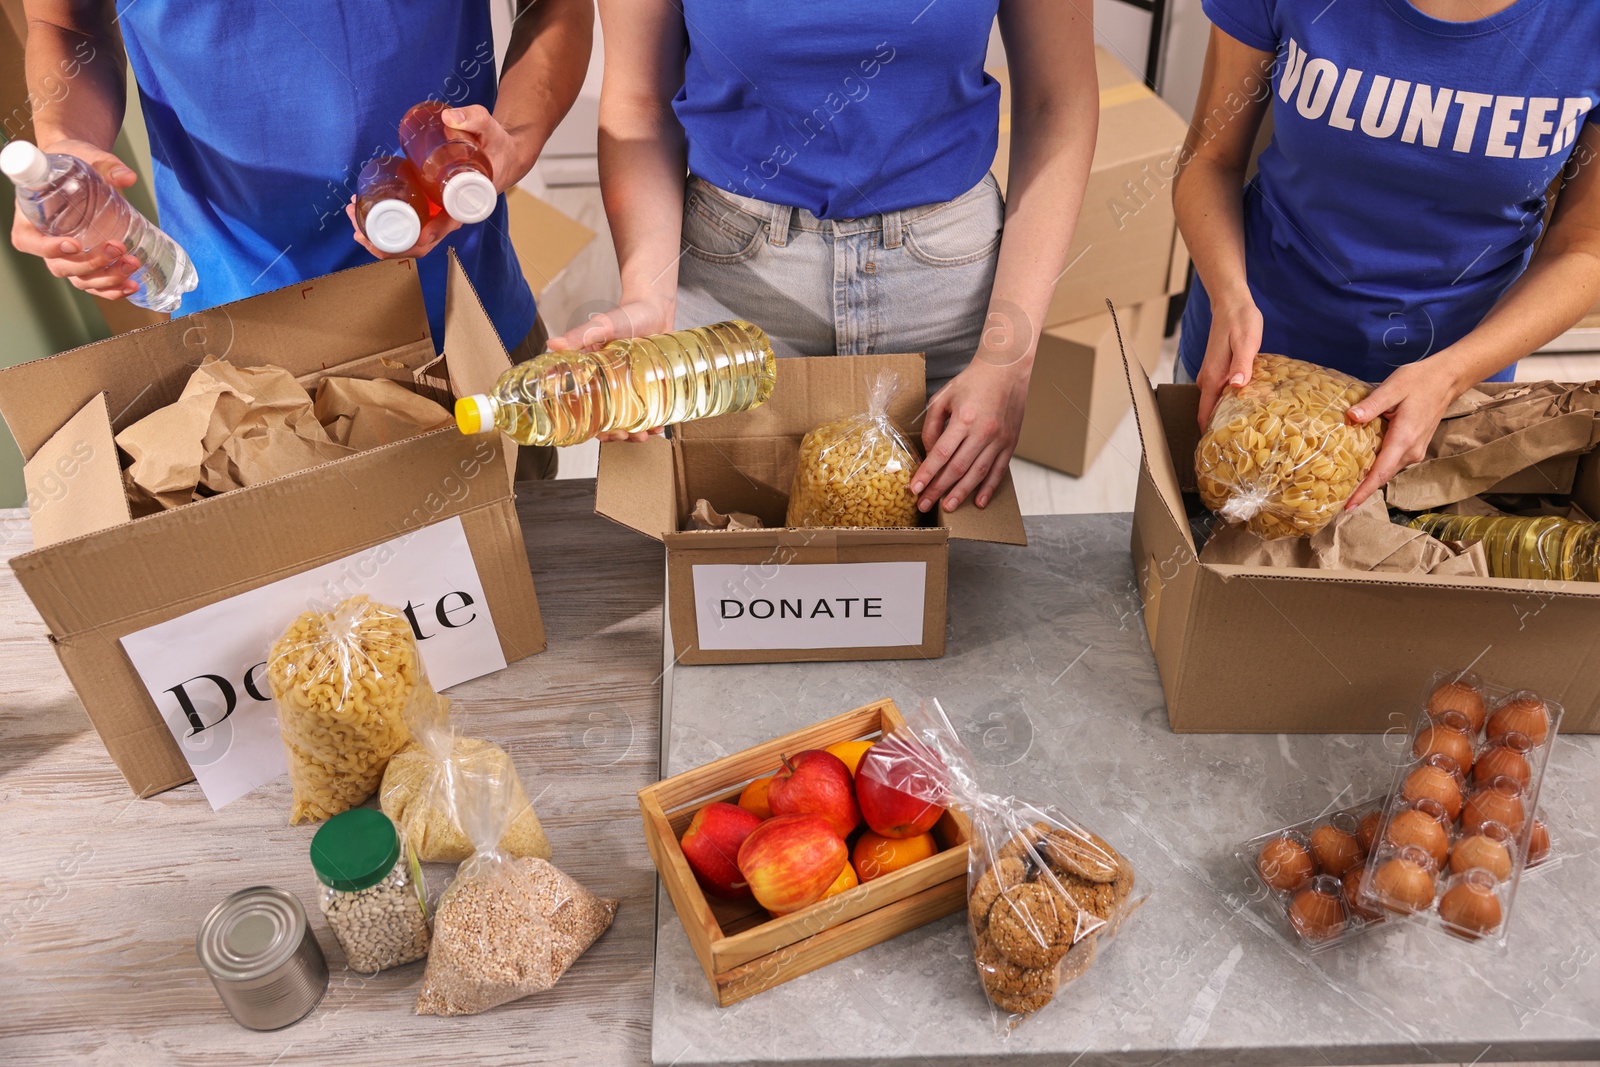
(809, 605)
(206, 671)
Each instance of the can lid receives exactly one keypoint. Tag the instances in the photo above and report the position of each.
(24, 164)
(469, 196)
(392, 225)
(474, 414)
(251, 933)
(355, 850)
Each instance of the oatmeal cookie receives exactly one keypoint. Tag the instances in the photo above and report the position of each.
(1033, 924)
(1021, 990)
(1005, 873)
(1083, 854)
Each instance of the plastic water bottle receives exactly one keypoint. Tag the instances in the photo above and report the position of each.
(390, 203)
(65, 197)
(455, 172)
(630, 385)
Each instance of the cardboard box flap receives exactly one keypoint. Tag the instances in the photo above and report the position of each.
(74, 481)
(544, 239)
(830, 387)
(634, 486)
(999, 523)
(1518, 586)
(472, 347)
(1152, 436)
(323, 322)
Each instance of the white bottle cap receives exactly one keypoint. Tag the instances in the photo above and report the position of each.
(469, 197)
(392, 226)
(24, 164)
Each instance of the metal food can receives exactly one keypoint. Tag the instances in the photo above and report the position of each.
(263, 958)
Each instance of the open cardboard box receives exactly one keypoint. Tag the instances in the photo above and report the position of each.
(96, 576)
(1255, 650)
(814, 585)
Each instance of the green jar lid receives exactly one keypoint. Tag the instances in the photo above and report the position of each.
(355, 850)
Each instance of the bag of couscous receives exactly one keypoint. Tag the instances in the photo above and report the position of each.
(856, 471)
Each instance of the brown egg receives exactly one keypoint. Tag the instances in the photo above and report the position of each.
(1284, 864)
(1538, 844)
(1367, 832)
(1316, 915)
(1521, 715)
(1460, 697)
(1502, 761)
(1484, 853)
(1470, 908)
(1404, 883)
(1436, 739)
(1421, 830)
(1335, 850)
(1499, 802)
(1352, 896)
(1429, 782)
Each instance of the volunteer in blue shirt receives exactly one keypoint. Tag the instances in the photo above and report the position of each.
(1393, 228)
(261, 116)
(838, 191)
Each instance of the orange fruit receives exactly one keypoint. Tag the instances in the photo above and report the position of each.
(754, 798)
(876, 856)
(847, 880)
(850, 752)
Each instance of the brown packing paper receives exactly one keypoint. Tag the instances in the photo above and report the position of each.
(1486, 437)
(706, 517)
(363, 413)
(1359, 540)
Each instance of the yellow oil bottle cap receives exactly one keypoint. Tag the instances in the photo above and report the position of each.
(471, 412)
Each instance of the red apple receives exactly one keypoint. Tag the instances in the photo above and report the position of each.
(791, 860)
(815, 782)
(711, 845)
(894, 782)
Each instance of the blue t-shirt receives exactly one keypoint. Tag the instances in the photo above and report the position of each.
(843, 109)
(1405, 183)
(261, 116)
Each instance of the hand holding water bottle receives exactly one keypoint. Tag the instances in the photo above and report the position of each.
(102, 270)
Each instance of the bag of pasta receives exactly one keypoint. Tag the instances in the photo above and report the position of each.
(346, 682)
(506, 926)
(416, 790)
(856, 471)
(1278, 455)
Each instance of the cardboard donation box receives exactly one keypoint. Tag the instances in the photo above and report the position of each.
(779, 594)
(1255, 649)
(1126, 247)
(163, 622)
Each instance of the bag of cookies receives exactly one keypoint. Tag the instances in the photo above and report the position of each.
(856, 471)
(1044, 893)
(1278, 455)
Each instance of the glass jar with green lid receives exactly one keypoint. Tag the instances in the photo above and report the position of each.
(372, 892)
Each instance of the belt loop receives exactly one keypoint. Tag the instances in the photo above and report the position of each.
(778, 224)
(893, 228)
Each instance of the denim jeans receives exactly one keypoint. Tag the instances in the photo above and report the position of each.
(916, 280)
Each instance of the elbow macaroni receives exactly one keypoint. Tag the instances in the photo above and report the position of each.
(856, 471)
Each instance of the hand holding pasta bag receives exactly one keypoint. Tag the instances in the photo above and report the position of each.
(1279, 455)
(346, 683)
(856, 471)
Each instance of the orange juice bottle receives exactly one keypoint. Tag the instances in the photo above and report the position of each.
(390, 204)
(455, 172)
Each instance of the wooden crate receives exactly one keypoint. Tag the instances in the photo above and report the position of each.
(741, 948)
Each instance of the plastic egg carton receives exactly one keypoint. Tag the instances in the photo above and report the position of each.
(1459, 826)
(1304, 878)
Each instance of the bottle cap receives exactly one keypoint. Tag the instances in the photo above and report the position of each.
(392, 226)
(355, 850)
(469, 196)
(474, 414)
(24, 164)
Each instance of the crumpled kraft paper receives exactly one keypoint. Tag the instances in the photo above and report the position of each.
(706, 517)
(1359, 540)
(363, 413)
(1486, 437)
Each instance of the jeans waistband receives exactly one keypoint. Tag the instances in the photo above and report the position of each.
(782, 219)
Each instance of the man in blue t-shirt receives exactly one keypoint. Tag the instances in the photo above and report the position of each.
(261, 116)
(1393, 228)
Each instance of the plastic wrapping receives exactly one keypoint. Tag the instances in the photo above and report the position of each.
(856, 471)
(1044, 893)
(1539, 547)
(1278, 455)
(506, 927)
(416, 791)
(346, 683)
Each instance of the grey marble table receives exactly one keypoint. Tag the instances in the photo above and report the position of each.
(1050, 675)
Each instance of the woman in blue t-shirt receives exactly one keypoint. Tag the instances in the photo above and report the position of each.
(838, 192)
(1391, 229)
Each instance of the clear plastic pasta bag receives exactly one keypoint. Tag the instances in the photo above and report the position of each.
(505, 927)
(346, 683)
(1044, 893)
(416, 790)
(856, 470)
(1278, 456)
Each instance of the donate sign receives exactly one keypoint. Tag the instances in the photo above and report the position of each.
(809, 605)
